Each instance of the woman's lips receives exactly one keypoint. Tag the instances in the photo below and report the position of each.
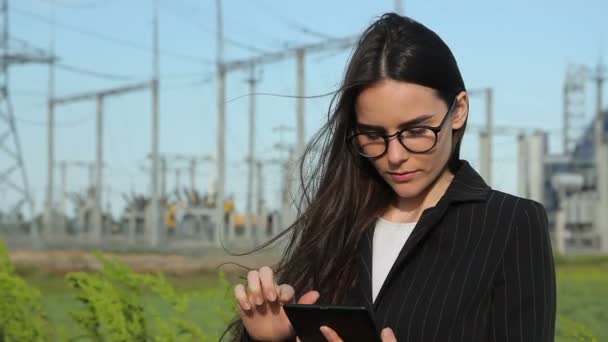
(402, 176)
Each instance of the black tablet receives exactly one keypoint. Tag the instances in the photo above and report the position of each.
(352, 323)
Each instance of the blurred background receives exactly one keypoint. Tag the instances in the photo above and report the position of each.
(130, 127)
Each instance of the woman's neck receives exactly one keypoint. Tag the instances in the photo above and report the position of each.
(410, 209)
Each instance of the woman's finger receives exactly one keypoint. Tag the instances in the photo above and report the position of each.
(241, 297)
(255, 288)
(388, 335)
(286, 293)
(330, 334)
(309, 297)
(268, 285)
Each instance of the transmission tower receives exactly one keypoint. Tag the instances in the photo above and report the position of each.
(13, 175)
(574, 105)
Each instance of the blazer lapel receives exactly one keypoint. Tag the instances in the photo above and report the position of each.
(466, 186)
(364, 268)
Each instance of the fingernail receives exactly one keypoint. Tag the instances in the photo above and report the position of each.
(272, 295)
(246, 306)
(387, 332)
(259, 300)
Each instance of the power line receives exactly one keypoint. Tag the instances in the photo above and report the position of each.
(186, 86)
(201, 79)
(27, 92)
(189, 9)
(93, 73)
(290, 22)
(80, 6)
(73, 123)
(114, 40)
(230, 41)
(183, 75)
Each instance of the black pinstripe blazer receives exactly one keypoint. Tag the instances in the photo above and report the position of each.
(477, 267)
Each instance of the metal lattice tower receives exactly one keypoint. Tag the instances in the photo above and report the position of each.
(574, 105)
(13, 176)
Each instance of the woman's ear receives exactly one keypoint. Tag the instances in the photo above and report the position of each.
(461, 111)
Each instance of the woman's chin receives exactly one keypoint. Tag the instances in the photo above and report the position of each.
(406, 190)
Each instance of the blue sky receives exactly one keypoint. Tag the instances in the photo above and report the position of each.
(520, 48)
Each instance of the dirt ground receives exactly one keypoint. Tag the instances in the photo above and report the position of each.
(63, 261)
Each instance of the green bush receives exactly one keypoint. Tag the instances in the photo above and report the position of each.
(116, 306)
(21, 314)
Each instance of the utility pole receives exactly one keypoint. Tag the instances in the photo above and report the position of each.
(221, 126)
(261, 214)
(154, 229)
(193, 174)
(178, 185)
(398, 7)
(49, 203)
(489, 130)
(251, 159)
(97, 217)
(601, 155)
(163, 177)
(91, 168)
(485, 136)
(64, 196)
(64, 191)
(300, 92)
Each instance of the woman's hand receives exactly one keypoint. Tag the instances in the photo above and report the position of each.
(261, 305)
(331, 336)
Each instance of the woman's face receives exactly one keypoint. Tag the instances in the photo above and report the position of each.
(389, 106)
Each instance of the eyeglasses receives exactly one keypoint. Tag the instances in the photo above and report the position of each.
(417, 139)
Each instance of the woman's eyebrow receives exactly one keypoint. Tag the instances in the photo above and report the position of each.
(409, 123)
(416, 121)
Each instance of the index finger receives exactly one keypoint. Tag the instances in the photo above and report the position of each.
(268, 285)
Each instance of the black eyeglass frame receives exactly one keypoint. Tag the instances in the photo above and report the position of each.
(352, 139)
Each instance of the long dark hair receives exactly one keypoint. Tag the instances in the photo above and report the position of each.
(342, 194)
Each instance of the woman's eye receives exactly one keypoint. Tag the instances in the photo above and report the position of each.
(373, 135)
(417, 131)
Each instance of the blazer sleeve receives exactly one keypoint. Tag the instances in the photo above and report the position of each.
(524, 290)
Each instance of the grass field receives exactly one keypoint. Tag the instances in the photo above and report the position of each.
(582, 303)
(582, 300)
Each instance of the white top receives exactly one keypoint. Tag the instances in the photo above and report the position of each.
(389, 238)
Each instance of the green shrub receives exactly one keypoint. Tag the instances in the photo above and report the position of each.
(115, 308)
(21, 314)
(115, 304)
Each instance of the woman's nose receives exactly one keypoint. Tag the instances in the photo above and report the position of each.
(396, 153)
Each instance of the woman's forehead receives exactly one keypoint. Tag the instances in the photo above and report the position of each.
(392, 102)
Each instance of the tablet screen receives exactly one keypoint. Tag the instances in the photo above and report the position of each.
(351, 323)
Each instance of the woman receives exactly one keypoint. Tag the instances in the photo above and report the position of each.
(396, 222)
